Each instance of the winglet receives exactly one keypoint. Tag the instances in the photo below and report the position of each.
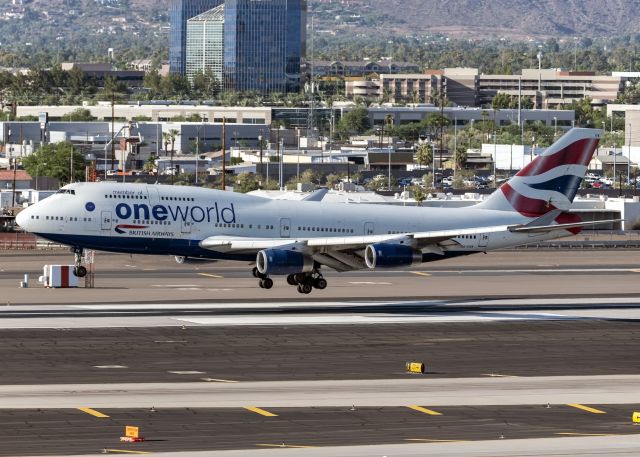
(316, 196)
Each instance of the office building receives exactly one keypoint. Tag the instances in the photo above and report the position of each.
(205, 39)
(180, 11)
(264, 44)
(551, 88)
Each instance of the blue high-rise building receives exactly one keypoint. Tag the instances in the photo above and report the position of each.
(179, 12)
(264, 44)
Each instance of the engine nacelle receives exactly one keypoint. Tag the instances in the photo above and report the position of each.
(384, 255)
(283, 262)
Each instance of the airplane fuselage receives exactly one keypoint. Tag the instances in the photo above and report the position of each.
(159, 219)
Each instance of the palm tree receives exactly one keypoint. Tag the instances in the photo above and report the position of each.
(170, 137)
(424, 154)
(460, 157)
(166, 139)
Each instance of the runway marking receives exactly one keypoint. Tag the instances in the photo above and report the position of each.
(421, 273)
(229, 381)
(586, 408)
(541, 270)
(186, 372)
(124, 451)
(209, 275)
(496, 375)
(262, 412)
(584, 434)
(285, 446)
(427, 440)
(370, 283)
(170, 341)
(109, 367)
(93, 412)
(425, 410)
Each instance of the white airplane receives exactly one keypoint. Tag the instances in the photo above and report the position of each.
(297, 238)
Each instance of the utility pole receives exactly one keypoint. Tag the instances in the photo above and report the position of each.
(441, 125)
(261, 150)
(113, 129)
(224, 152)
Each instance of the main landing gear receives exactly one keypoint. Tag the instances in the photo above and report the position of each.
(79, 270)
(265, 281)
(304, 282)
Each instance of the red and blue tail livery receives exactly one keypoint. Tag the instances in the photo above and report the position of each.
(550, 181)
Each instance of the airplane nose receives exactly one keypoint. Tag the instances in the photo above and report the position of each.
(22, 218)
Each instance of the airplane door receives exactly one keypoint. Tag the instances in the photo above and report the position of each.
(186, 227)
(285, 228)
(368, 228)
(483, 240)
(105, 223)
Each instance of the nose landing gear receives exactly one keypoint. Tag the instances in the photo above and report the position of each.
(79, 270)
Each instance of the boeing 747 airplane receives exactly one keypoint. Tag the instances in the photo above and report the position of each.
(297, 238)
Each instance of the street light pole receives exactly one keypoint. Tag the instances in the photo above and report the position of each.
(389, 158)
(629, 156)
(261, 146)
(555, 127)
(495, 158)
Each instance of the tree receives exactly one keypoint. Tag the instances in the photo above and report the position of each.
(310, 176)
(246, 182)
(418, 195)
(79, 115)
(332, 179)
(355, 121)
(424, 155)
(55, 160)
(501, 101)
(460, 157)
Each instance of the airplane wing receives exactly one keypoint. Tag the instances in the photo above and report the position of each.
(344, 253)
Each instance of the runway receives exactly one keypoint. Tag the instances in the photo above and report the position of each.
(527, 353)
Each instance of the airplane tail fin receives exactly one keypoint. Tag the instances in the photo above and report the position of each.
(550, 182)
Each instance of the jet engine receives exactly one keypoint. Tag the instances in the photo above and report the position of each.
(384, 255)
(283, 262)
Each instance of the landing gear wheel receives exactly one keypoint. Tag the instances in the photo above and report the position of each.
(305, 288)
(80, 271)
(255, 272)
(266, 283)
(291, 280)
(320, 283)
(299, 278)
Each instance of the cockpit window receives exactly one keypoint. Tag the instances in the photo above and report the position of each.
(66, 191)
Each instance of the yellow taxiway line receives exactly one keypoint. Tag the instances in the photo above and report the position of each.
(425, 410)
(586, 408)
(262, 412)
(124, 451)
(420, 273)
(209, 275)
(284, 446)
(93, 412)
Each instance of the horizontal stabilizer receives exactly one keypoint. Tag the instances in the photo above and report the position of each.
(316, 196)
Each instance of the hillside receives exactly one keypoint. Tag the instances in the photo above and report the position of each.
(487, 18)
(32, 31)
